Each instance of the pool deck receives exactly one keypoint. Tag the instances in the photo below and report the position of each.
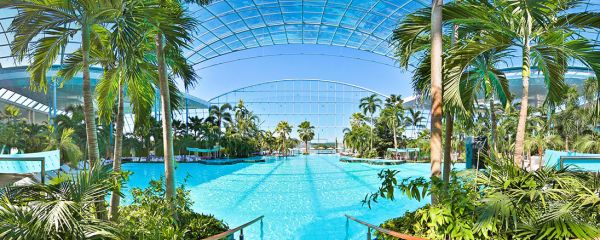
(372, 161)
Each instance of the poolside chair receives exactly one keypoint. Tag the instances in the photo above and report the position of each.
(38, 177)
(82, 164)
(66, 169)
(26, 181)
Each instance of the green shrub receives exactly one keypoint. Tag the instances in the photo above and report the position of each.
(150, 217)
(201, 226)
(501, 202)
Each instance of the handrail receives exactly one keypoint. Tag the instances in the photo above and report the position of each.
(234, 230)
(382, 230)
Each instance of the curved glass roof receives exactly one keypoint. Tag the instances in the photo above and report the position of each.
(228, 26)
(233, 25)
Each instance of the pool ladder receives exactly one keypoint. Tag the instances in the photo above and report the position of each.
(229, 233)
(378, 229)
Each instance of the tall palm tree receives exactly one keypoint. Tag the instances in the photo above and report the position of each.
(436, 88)
(306, 132)
(283, 129)
(64, 142)
(370, 104)
(171, 33)
(220, 114)
(55, 22)
(484, 79)
(414, 119)
(393, 114)
(544, 32)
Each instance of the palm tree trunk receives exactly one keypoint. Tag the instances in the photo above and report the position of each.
(283, 147)
(372, 126)
(436, 90)
(305, 147)
(395, 142)
(88, 101)
(115, 198)
(448, 146)
(167, 130)
(526, 72)
(493, 124)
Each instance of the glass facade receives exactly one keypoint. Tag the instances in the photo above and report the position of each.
(328, 105)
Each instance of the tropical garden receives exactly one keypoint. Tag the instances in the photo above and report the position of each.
(459, 49)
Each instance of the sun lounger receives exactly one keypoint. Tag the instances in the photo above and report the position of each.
(38, 177)
(24, 182)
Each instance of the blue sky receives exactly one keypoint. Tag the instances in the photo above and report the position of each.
(371, 71)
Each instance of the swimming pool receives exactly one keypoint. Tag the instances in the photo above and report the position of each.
(303, 197)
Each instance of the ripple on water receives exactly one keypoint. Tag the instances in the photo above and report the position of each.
(303, 197)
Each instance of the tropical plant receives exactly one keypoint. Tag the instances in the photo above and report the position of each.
(414, 119)
(65, 208)
(503, 202)
(11, 113)
(306, 132)
(393, 115)
(150, 217)
(41, 33)
(370, 104)
(220, 114)
(543, 31)
(69, 151)
(283, 129)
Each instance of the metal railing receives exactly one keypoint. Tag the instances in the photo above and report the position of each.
(230, 232)
(378, 229)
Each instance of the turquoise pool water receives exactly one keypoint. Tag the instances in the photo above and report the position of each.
(302, 197)
(591, 165)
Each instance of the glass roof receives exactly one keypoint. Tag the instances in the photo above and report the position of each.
(228, 26)
(233, 25)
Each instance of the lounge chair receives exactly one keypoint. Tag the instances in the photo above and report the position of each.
(38, 177)
(26, 181)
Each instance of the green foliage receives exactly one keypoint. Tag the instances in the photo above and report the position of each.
(150, 217)
(65, 208)
(69, 151)
(502, 202)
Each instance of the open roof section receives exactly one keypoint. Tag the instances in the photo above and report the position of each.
(233, 25)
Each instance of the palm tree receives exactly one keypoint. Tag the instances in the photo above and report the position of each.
(171, 33)
(268, 140)
(306, 132)
(545, 32)
(414, 119)
(48, 20)
(392, 115)
(283, 129)
(370, 104)
(588, 144)
(64, 142)
(483, 78)
(436, 88)
(61, 209)
(220, 114)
